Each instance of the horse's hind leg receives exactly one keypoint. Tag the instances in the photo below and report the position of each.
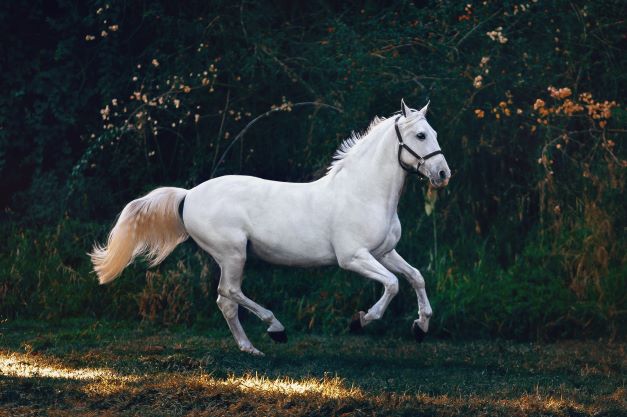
(229, 311)
(230, 254)
(230, 287)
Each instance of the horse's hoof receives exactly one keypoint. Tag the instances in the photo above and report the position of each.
(419, 334)
(279, 337)
(355, 326)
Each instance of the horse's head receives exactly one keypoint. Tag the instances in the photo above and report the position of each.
(420, 142)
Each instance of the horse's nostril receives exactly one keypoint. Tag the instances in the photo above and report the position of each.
(442, 174)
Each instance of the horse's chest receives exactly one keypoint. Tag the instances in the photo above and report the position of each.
(387, 238)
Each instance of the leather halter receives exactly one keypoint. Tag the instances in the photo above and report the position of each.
(402, 145)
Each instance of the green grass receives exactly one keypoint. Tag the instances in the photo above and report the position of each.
(92, 367)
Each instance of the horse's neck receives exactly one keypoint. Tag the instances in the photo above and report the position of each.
(376, 174)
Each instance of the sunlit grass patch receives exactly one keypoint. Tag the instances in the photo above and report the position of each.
(29, 366)
(98, 381)
(325, 387)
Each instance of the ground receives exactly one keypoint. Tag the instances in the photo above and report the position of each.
(90, 367)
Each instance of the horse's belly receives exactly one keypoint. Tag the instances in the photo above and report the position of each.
(292, 252)
(291, 228)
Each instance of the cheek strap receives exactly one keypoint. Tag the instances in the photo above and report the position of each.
(402, 145)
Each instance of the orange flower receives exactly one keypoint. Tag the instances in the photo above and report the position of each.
(561, 93)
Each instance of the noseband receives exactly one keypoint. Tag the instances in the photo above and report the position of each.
(421, 159)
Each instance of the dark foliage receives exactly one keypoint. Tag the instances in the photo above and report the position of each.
(105, 101)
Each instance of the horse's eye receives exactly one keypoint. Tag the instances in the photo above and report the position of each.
(421, 136)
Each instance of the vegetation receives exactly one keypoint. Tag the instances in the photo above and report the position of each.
(105, 101)
(95, 367)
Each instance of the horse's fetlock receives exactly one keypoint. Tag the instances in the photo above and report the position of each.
(267, 316)
(245, 346)
(372, 315)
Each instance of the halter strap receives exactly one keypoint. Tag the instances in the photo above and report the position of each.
(402, 145)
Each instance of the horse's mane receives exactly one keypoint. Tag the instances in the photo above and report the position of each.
(347, 144)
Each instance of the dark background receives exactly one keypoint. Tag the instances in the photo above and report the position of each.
(527, 242)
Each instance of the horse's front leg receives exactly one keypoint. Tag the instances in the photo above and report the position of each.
(395, 263)
(365, 264)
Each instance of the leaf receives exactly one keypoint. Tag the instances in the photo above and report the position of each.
(430, 198)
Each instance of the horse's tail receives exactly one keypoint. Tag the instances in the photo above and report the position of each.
(150, 226)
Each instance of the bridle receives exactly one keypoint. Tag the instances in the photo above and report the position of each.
(421, 159)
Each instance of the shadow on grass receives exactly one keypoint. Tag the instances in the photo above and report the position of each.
(91, 369)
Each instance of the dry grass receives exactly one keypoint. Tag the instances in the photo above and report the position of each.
(93, 369)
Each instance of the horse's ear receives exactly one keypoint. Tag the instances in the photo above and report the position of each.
(404, 108)
(425, 108)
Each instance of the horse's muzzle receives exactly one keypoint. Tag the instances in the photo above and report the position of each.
(439, 183)
(439, 177)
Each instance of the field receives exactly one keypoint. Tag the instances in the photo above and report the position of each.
(524, 253)
(90, 367)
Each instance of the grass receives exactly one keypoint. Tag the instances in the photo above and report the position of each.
(90, 367)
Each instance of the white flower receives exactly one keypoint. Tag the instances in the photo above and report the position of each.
(478, 81)
(497, 35)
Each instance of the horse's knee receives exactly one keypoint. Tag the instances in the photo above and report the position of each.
(392, 286)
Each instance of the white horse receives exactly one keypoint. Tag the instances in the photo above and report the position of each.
(348, 218)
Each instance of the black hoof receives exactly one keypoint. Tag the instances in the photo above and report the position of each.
(419, 335)
(279, 337)
(355, 326)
